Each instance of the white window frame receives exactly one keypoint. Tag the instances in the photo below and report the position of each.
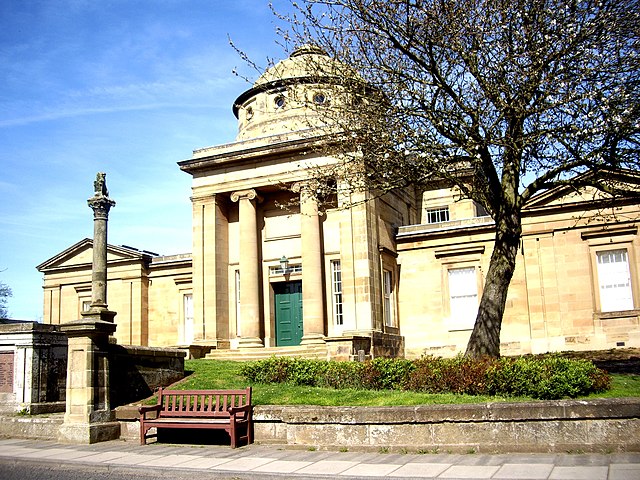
(85, 304)
(437, 215)
(614, 280)
(463, 297)
(388, 291)
(336, 293)
(237, 302)
(187, 318)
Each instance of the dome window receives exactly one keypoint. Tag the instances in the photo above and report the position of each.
(249, 113)
(319, 98)
(279, 101)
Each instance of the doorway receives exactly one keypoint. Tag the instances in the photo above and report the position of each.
(288, 312)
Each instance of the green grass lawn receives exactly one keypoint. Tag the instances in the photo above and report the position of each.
(217, 374)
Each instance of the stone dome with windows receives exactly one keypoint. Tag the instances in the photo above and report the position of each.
(291, 95)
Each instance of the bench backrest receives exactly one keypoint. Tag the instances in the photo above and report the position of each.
(201, 403)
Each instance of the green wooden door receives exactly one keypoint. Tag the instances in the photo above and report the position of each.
(288, 303)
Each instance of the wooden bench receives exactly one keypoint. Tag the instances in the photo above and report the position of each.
(228, 410)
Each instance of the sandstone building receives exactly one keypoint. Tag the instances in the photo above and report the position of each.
(396, 275)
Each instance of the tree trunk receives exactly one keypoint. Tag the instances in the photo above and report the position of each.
(485, 338)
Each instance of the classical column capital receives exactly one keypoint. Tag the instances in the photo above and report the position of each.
(302, 187)
(249, 194)
(100, 203)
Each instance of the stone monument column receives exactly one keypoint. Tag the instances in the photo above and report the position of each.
(249, 269)
(312, 282)
(88, 417)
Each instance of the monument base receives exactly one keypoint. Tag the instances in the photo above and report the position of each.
(87, 433)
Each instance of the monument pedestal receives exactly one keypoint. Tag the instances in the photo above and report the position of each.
(87, 433)
(88, 417)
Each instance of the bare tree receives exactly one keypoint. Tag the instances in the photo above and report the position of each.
(499, 99)
(5, 293)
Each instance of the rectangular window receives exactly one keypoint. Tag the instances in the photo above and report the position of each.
(437, 215)
(85, 305)
(463, 297)
(187, 305)
(336, 292)
(296, 268)
(237, 275)
(614, 280)
(389, 307)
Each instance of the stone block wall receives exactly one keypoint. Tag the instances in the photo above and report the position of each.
(136, 372)
(599, 425)
(33, 368)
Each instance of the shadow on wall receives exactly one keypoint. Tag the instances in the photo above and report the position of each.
(136, 372)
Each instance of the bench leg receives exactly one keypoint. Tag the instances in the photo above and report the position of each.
(143, 433)
(249, 431)
(232, 433)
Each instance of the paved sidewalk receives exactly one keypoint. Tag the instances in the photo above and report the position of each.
(256, 461)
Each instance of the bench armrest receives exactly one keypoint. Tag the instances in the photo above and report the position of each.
(247, 409)
(153, 408)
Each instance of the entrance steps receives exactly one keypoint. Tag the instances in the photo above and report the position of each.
(249, 354)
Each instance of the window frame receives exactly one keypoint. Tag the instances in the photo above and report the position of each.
(602, 305)
(389, 298)
(437, 213)
(337, 293)
(188, 324)
(458, 324)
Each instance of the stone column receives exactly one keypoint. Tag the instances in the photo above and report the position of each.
(88, 417)
(100, 203)
(249, 269)
(312, 282)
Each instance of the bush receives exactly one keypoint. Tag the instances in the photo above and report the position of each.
(459, 375)
(550, 377)
(270, 370)
(341, 375)
(547, 377)
(386, 373)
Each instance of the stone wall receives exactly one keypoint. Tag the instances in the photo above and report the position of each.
(135, 372)
(601, 425)
(33, 368)
(365, 347)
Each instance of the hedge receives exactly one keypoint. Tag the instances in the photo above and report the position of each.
(543, 377)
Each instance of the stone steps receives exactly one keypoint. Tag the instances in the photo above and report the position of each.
(250, 354)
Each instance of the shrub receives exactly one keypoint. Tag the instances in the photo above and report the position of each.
(340, 375)
(269, 370)
(305, 372)
(386, 373)
(550, 377)
(459, 375)
(547, 377)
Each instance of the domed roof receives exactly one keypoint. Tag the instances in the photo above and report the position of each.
(304, 61)
(292, 95)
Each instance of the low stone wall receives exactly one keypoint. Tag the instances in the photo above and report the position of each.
(135, 372)
(605, 425)
(602, 426)
(43, 427)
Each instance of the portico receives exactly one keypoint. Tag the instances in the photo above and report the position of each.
(254, 205)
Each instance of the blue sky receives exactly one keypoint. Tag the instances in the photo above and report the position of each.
(126, 87)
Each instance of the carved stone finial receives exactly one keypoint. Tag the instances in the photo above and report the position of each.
(100, 184)
(100, 203)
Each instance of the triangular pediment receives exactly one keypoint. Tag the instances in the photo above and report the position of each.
(564, 195)
(81, 254)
